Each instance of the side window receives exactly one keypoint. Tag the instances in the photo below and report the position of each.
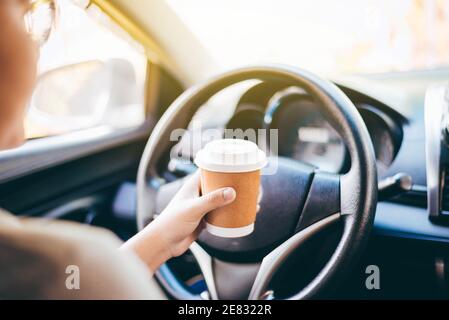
(91, 74)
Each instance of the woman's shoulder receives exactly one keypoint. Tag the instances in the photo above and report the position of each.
(37, 256)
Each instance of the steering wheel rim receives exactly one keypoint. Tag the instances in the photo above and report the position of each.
(358, 187)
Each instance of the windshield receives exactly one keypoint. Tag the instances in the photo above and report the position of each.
(332, 37)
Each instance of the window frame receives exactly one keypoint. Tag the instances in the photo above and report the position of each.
(41, 153)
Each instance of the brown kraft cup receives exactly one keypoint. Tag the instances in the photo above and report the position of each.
(237, 164)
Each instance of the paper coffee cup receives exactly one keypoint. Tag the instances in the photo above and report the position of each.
(232, 163)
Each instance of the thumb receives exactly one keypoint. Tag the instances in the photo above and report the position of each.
(212, 200)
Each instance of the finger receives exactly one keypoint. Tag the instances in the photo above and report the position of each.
(208, 202)
(191, 186)
(257, 208)
(199, 229)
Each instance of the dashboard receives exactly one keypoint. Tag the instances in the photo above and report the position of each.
(406, 242)
(303, 131)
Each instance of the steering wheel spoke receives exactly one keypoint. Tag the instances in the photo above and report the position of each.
(205, 262)
(323, 199)
(225, 280)
(237, 281)
(272, 262)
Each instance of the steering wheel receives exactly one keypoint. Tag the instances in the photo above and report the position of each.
(298, 202)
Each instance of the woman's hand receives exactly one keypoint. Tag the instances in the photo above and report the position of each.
(174, 230)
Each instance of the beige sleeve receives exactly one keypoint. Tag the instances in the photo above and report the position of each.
(42, 259)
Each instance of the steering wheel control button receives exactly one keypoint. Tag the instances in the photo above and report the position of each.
(237, 164)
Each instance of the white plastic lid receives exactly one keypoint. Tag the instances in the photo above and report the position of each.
(231, 155)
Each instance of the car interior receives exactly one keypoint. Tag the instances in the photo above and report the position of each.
(361, 156)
